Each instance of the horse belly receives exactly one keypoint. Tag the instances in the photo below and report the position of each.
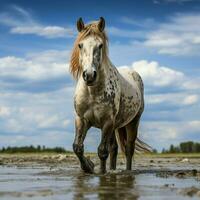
(128, 108)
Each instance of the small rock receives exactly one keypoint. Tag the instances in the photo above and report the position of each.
(185, 160)
(166, 185)
(180, 174)
(169, 185)
(198, 193)
(62, 157)
(194, 172)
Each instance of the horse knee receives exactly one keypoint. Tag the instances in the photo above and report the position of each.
(114, 148)
(78, 149)
(103, 153)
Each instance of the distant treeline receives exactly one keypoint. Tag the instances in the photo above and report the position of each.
(184, 147)
(33, 149)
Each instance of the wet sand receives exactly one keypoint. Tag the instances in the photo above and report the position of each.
(54, 176)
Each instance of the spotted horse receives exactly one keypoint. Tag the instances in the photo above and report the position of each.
(107, 98)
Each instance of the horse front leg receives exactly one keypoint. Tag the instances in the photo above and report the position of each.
(82, 127)
(103, 149)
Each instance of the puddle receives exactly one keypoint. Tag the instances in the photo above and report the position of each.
(42, 183)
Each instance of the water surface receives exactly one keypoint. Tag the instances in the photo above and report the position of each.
(42, 183)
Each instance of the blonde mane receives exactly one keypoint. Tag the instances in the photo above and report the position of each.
(89, 30)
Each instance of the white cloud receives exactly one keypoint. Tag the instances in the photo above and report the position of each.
(43, 119)
(193, 83)
(156, 75)
(178, 36)
(4, 111)
(21, 21)
(36, 68)
(177, 99)
(52, 121)
(195, 124)
(169, 132)
(34, 112)
(50, 114)
(165, 87)
(191, 99)
(27, 115)
(45, 31)
(49, 139)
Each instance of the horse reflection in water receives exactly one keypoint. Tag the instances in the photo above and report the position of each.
(105, 97)
(103, 187)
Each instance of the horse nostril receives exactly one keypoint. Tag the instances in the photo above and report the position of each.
(85, 76)
(94, 75)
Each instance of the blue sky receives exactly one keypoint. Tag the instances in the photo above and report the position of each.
(158, 38)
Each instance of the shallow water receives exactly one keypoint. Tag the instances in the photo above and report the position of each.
(42, 183)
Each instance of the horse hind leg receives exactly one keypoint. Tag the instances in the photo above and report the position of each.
(113, 150)
(131, 131)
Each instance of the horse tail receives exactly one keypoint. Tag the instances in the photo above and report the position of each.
(121, 138)
(140, 146)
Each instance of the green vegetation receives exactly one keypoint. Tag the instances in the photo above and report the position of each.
(32, 149)
(184, 147)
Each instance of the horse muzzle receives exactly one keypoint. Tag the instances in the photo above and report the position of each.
(89, 78)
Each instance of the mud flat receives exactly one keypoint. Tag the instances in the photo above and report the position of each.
(58, 176)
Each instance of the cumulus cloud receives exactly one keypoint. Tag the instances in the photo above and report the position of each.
(21, 21)
(49, 112)
(178, 36)
(168, 132)
(191, 99)
(45, 31)
(177, 99)
(30, 69)
(36, 111)
(49, 139)
(157, 75)
(4, 111)
(164, 79)
(39, 72)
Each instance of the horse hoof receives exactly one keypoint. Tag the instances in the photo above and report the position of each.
(88, 166)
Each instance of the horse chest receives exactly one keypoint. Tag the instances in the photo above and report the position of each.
(95, 109)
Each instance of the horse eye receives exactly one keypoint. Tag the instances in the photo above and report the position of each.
(80, 46)
(100, 46)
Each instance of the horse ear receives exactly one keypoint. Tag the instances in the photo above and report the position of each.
(101, 24)
(80, 24)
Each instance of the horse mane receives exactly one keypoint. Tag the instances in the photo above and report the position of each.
(89, 30)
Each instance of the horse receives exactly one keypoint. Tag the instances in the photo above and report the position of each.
(105, 97)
